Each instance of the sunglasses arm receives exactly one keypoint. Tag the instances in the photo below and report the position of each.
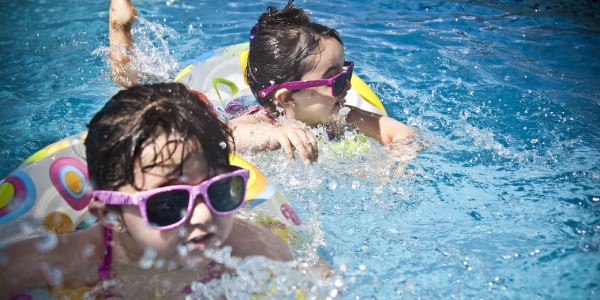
(115, 198)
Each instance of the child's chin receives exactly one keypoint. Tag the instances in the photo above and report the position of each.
(195, 261)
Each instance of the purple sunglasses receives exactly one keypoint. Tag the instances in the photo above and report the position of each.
(337, 83)
(167, 207)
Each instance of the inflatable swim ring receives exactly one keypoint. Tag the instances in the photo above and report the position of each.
(219, 74)
(50, 190)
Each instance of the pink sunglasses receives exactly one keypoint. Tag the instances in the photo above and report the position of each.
(337, 83)
(167, 207)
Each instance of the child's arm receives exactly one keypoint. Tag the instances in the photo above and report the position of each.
(42, 261)
(247, 239)
(382, 128)
(255, 132)
(122, 15)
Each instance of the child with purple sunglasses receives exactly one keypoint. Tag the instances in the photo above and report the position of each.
(289, 137)
(297, 69)
(158, 160)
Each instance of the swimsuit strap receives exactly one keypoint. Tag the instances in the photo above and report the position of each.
(104, 270)
(213, 271)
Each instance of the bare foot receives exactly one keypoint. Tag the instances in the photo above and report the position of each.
(122, 13)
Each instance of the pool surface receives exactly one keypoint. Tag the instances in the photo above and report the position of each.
(503, 202)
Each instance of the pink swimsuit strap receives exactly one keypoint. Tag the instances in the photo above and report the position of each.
(104, 270)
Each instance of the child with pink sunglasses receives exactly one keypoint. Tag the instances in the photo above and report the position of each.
(297, 69)
(158, 160)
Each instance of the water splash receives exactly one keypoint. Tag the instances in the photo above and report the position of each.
(259, 276)
(150, 55)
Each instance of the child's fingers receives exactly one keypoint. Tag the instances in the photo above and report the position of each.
(302, 141)
(288, 149)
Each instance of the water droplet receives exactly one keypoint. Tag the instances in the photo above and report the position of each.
(344, 111)
(160, 263)
(184, 178)
(47, 242)
(223, 145)
(332, 186)
(355, 185)
(181, 250)
(147, 259)
(343, 267)
(183, 232)
(88, 250)
(53, 274)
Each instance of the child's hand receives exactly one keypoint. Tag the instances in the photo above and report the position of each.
(252, 133)
(290, 137)
(122, 13)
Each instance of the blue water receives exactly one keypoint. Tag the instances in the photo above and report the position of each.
(504, 201)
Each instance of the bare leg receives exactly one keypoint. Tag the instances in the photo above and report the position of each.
(121, 16)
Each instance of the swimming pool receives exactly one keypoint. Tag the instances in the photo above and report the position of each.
(503, 203)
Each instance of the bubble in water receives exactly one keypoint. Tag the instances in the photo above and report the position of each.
(112, 217)
(184, 178)
(47, 242)
(53, 274)
(26, 228)
(147, 259)
(349, 134)
(181, 250)
(212, 228)
(88, 250)
(183, 232)
(332, 186)
(333, 293)
(160, 263)
(344, 111)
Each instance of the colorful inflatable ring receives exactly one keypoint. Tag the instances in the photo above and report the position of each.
(219, 74)
(50, 191)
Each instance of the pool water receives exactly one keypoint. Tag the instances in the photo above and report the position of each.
(502, 203)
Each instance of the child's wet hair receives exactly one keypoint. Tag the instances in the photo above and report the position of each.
(281, 43)
(134, 118)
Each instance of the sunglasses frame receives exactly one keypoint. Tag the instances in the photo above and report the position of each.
(140, 198)
(305, 84)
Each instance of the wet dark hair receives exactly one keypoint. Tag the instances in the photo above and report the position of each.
(278, 50)
(136, 117)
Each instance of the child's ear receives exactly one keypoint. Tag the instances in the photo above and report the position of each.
(109, 218)
(284, 97)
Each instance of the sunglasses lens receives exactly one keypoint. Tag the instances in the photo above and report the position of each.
(227, 194)
(338, 85)
(167, 208)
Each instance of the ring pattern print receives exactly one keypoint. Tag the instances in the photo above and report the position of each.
(17, 196)
(69, 176)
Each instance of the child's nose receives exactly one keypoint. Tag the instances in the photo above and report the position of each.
(201, 214)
